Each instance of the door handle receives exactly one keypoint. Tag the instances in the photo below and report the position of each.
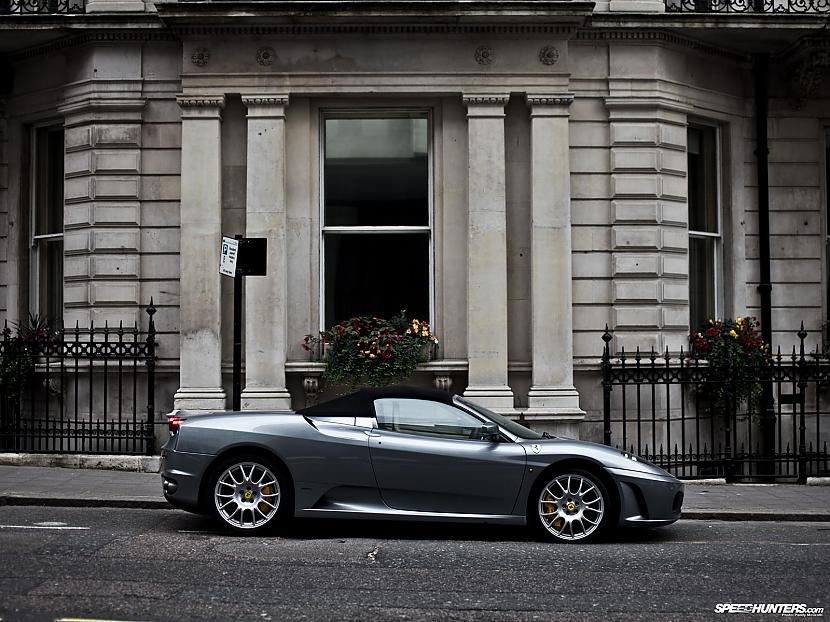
(371, 433)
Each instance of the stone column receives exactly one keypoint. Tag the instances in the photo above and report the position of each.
(552, 395)
(266, 296)
(200, 310)
(487, 254)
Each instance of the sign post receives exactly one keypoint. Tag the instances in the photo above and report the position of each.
(240, 257)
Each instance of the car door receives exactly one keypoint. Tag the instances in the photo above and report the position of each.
(426, 457)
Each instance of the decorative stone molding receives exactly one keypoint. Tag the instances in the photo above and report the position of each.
(565, 99)
(382, 29)
(265, 100)
(601, 34)
(108, 36)
(484, 55)
(807, 77)
(442, 382)
(200, 57)
(485, 100)
(201, 101)
(265, 56)
(549, 55)
(311, 388)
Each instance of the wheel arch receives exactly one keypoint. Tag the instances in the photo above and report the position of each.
(586, 464)
(243, 450)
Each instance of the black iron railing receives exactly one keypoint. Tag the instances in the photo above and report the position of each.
(748, 6)
(682, 414)
(28, 7)
(78, 390)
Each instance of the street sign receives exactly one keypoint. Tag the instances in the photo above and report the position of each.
(227, 260)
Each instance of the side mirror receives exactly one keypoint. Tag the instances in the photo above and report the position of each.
(490, 432)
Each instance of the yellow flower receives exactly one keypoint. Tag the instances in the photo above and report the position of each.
(711, 321)
(738, 320)
(732, 333)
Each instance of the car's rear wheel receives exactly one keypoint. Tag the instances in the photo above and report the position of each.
(248, 494)
(572, 505)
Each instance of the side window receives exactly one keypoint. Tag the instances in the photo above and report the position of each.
(425, 418)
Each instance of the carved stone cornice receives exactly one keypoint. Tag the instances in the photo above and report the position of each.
(658, 36)
(201, 101)
(151, 33)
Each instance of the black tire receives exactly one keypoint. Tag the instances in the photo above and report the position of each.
(249, 494)
(579, 509)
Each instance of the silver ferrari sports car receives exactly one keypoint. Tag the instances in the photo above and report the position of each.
(411, 454)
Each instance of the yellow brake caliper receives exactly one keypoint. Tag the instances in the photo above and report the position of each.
(550, 502)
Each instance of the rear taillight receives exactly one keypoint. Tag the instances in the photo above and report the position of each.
(174, 422)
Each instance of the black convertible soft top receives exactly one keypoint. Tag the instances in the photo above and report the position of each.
(361, 403)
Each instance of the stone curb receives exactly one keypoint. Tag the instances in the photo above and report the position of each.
(137, 464)
(760, 515)
(76, 502)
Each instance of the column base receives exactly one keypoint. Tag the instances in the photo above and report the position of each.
(199, 398)
(565, 424)
(266, 399)
(554, 399)
(497, 398)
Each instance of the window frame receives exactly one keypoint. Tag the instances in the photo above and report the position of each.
(38, 242)
(717, 285)
(369, 112)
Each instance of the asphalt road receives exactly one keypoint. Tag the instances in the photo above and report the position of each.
(124, 564)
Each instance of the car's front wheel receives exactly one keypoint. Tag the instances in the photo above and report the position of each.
(573, 505)
(248, 494)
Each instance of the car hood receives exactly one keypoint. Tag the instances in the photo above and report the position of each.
(546, 451)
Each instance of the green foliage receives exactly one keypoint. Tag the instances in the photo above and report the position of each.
(372, 351)
(735, 354)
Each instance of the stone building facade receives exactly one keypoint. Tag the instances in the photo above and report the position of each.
(549, 168)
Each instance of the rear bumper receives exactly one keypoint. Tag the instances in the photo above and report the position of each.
(181, 477)
(648, 499)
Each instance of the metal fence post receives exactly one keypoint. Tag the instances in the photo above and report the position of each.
(151, 379)
(802, 428)
(606, 387)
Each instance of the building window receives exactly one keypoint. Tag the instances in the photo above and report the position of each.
(377, 215)
(704, 223)
(47, 223)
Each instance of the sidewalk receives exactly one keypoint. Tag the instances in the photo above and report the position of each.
(54, 486)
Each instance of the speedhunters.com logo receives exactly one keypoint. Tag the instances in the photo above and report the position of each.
(781, 609)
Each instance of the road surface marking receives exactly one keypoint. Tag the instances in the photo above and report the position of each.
(53, 527)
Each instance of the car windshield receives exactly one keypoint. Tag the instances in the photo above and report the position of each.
(516, 429)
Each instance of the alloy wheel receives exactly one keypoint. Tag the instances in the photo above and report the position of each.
(247, 495)
(571, 506)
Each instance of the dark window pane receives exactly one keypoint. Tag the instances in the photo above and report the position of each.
(378, 274)
(51, 280)
(703, 180)
(701, 281)
(49, 181)
(376, 172)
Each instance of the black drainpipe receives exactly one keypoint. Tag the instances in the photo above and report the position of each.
(761, 74)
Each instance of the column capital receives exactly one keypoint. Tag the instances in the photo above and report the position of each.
(485, 104)
(549, 105)
(280, 99)
(201, 106)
